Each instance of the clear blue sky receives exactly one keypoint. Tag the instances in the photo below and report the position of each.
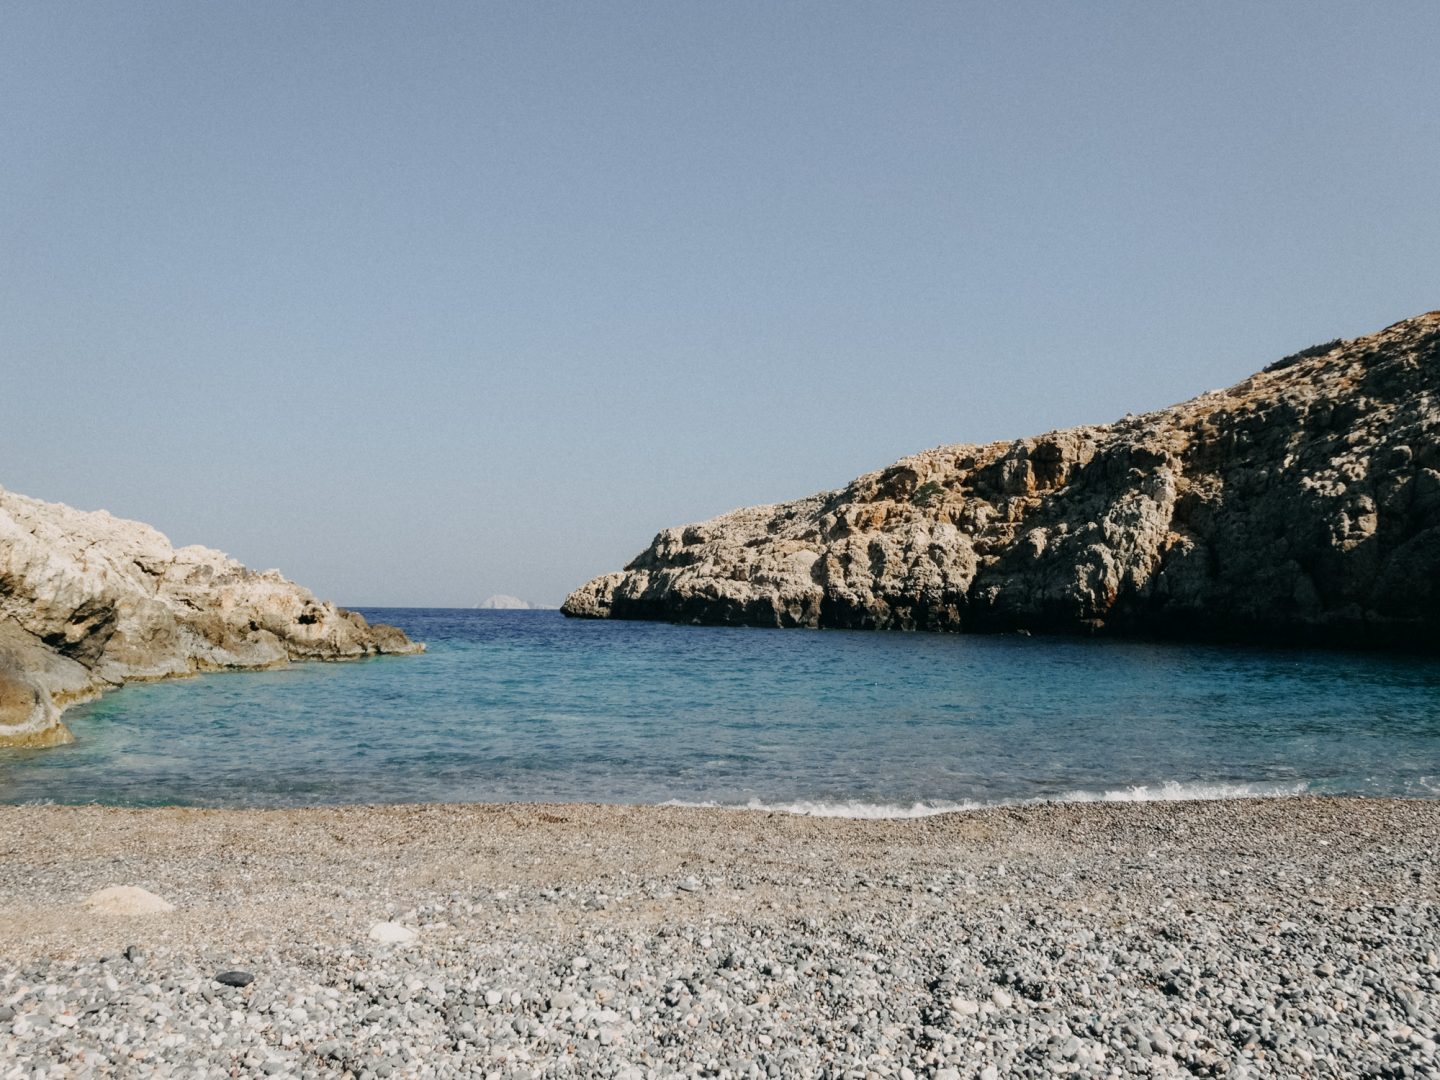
(423, 302)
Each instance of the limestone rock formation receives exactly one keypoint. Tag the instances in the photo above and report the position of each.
(89, 601)
(1302, 504)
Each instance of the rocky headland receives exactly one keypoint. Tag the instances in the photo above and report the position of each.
(89, 601)
(1302, 504)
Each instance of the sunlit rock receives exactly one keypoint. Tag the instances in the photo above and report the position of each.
(1301, 504)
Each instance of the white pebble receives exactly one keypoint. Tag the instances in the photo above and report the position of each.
(390, 933)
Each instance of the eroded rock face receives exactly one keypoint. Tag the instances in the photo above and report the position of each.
(1300, 504)
(89, 601)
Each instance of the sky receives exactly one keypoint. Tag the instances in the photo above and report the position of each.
(421, 303)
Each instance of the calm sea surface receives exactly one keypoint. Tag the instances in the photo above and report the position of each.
(530, 706)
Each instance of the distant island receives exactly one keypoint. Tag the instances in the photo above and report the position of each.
(502, 602)
(1302, 504)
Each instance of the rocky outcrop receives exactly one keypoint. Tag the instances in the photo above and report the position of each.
(89, 601)
(1302, 504)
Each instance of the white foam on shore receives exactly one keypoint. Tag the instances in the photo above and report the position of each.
(1175, 791)
(1168, 791)
(851, 809)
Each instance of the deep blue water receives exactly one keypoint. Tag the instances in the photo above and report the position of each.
(530, 706)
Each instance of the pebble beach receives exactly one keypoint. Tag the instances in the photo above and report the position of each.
(1289, 937)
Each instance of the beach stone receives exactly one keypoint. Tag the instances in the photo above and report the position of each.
(831, 984)
(235, 978)
(390, 933)
(127, 900)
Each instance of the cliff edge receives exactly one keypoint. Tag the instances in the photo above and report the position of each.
(1302, 504)
(89, 601)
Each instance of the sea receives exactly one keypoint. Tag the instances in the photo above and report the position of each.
(529, 706)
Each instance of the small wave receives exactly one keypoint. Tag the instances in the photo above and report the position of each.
(1168, 791)
(1175, 791)
(848, 809)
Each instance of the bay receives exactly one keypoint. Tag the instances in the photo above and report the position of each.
(528, 706)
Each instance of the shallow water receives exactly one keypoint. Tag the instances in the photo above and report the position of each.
(530, 706)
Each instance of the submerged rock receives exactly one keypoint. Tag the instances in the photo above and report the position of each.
(1301, 504)
(89, 601)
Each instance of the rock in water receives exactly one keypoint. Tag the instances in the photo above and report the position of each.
(1300, 504)
(127, 900)
(88, 601)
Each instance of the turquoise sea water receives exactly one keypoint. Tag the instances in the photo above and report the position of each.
(530, 706)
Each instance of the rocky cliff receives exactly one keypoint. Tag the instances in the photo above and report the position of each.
(89, 601)
(1301, 504)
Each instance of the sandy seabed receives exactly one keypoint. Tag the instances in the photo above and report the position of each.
(1264, 937)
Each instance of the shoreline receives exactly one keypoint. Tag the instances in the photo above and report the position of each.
(833, 809)
(1290, 936)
